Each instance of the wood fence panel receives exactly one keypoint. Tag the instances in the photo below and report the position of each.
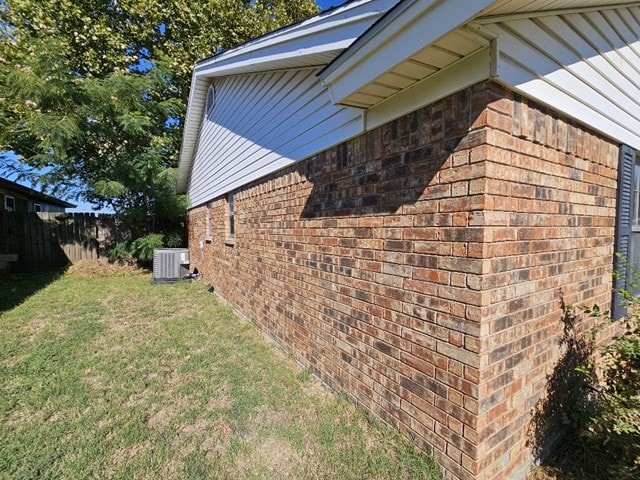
(47, 240)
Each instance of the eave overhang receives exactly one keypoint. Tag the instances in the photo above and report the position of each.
(418, 39)
(412, 41)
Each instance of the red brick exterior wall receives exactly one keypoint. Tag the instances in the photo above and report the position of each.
(420, 267)
(549, 223)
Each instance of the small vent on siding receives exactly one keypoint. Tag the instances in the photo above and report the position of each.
(211, 99)
(170, 264)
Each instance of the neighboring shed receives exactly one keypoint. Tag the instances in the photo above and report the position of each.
(407, 195)
(18, 198)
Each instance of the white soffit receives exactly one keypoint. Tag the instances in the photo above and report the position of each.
(420, 38)
(463, 74)
(411, 42)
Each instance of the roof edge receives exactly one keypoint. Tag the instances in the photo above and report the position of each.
(35, 193)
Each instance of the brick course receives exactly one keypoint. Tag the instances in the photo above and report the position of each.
(420, 267)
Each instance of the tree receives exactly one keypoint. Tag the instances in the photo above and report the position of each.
(94, 92)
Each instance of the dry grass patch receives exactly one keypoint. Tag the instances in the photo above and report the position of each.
(102, 269)
(271, 457)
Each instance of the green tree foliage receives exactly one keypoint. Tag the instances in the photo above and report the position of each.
(94, 91)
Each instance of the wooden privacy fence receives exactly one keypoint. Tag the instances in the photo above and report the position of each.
(46, 240)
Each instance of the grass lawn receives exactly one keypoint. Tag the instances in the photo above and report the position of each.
(112, 377)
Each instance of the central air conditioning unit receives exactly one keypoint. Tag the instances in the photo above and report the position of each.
(170, 264)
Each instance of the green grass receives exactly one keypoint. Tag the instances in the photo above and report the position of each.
(112, 377)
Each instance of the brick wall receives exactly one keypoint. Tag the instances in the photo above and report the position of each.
(549, 226)
(420, 267)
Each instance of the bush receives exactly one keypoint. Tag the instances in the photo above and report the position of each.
(610, 422)
(120, 253)
(174, 240)
(140, 250)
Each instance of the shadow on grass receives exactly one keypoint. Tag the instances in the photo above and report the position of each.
(16, 288)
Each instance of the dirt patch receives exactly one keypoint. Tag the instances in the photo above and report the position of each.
(121, 456)
(216, 443)
(273, 454)
(98, 268)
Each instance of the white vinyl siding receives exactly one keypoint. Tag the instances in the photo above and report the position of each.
(307, 44)
(586, 65)
(262, 123)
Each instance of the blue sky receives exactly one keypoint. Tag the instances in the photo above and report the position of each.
(324, 4)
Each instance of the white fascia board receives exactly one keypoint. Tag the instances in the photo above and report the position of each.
(560, 9)
(504, 10)
(403, 32)
(191, 131)
(463, 74)
(335, 30)
(249, 63)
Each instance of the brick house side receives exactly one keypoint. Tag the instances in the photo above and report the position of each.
(421, 267)
(549, 229)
